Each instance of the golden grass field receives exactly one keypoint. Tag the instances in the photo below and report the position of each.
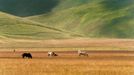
(106, 57)
(65, 67)
(68, 63)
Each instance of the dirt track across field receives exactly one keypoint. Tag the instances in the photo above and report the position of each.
(90, 44)
(93, 55)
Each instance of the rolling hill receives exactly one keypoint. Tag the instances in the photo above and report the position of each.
(18, 28)
(92, 18)
(56, 19)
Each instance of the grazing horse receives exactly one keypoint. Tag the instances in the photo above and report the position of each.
(84, 53)
(26, 55)
(52, 54)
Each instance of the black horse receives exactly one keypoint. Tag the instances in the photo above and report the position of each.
(27, 55)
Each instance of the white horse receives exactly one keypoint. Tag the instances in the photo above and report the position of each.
(52, 54)
(84, 53)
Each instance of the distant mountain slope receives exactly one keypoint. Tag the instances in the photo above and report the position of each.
(65, 4)
(27, 7)
(16, 27)
(99, 18)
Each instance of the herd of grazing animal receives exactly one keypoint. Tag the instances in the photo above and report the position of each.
(53, 54)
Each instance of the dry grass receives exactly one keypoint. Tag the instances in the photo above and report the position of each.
(66, 44)
(64, 66)
(67, 63)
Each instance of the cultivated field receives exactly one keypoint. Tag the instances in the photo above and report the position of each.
(106, 57)
(66, 44)
(68, 63)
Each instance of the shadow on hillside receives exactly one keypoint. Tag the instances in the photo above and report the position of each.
(27, 7)
(117, 27)
(116, 4)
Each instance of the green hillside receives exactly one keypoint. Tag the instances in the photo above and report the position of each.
(65, 4)
(93, 18)
(56, 19)
(16, 27)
